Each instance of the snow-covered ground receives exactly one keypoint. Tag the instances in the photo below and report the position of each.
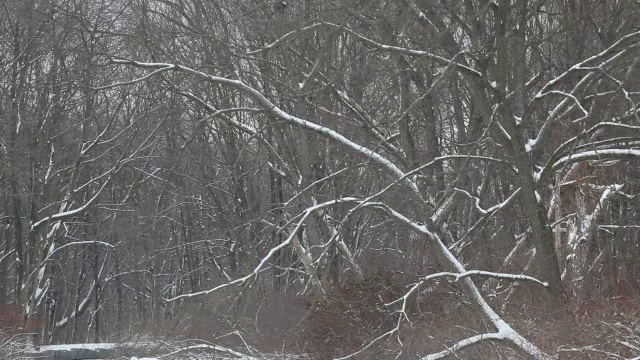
(144, 351)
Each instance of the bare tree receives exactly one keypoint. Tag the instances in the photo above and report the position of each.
(354, 159)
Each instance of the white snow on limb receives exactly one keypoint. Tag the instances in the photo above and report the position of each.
(594, 349)
(275, 168)
(319, 181)
(576, 233)
(416, 10)
(604, 154)
(504, 131)
(517, 119)
(570, 96)
(261, 99)
(458, 276)
(163, 69)
(506, 276)
(465, 274)
(4, 256)
(502, 327)
(583, 65)
(464, 343)
(52, 350)
(215, 348)
(492, 209)
(494, 84)
(60, 215)
(569, 144)
(65, 214)
(41, 291)
(504, 333)
(88, 346)
(437, 216)
(83, 304)
(64, 321)
(40, 274)
(47, 176)
(436, 58)
(283, 38)
(18, 124)
(53, 250)
(536, 176)
(239, 281)
(213, 112)
(615, 51)
(630, 346)
(531, 144)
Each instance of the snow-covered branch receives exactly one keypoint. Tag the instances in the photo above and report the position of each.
(81, 307)
(430, 233)
(504, 276)
(602, 154)
(592, 68)
(283, 38)
(465, 343)
(265, 259)
(274, 110)
(437, 58)
(546, 171)
(216, 348)
(494, 208)
(69, 213)
(503, 328)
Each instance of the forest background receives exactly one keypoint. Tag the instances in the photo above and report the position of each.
(372, 178)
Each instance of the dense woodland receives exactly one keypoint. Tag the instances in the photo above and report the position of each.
(365, 178)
